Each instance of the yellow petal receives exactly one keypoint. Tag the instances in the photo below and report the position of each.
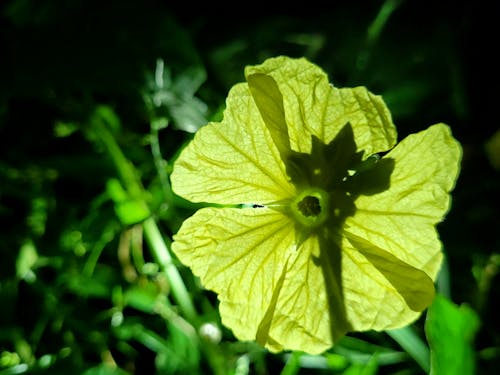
(269, 290)
(314, 107)
(414, 285)
(232, 162)
(401, 222)
(309, 314)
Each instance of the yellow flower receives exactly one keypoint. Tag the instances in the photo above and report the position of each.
(314, 234)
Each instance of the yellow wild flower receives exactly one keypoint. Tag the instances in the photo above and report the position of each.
(314, 234)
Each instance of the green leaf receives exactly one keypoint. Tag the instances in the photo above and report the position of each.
(132, 211)
(129, 210)
(26, 260)
(177, 94)
(116, 191)
(450, 330)
(105, 370)
(143, 298)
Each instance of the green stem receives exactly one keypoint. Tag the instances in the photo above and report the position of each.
(106, 237)
(374, 31)
(162, 256)
(125, 169)
(292, 366)
(160, 163)
(413, 345)
(153, 235)
(376, 27)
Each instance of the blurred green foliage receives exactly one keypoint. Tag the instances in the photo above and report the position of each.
(96, 100)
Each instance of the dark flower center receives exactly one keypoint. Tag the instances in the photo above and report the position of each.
(309, 206)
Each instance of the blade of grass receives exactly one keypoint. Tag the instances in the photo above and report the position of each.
(374, 31)
(413, 345)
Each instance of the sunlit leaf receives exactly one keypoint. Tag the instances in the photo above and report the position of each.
(451, 331)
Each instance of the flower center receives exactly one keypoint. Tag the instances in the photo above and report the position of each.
(311, 206)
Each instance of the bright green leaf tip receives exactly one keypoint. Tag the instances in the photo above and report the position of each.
(451, 330)
(330, 238)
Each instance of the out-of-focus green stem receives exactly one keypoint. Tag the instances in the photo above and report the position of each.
(413, 345)
(377, 25)
(162, 256)
(374, 31)
(152, 233)
(443, 281)
(292, 366)
(125, 169)
(160, 163)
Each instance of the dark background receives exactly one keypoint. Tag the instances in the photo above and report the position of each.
(432, 62)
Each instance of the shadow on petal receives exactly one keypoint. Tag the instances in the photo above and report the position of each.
(338, 169)
(330, 262)
(414, 285)
(262, 335)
